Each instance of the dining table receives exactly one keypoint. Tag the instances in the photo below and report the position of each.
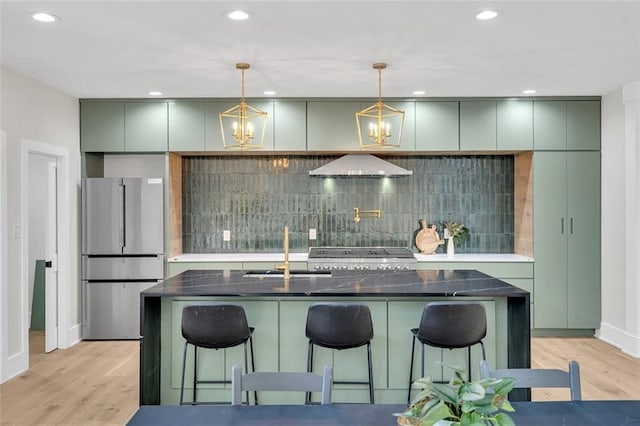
(547, 413)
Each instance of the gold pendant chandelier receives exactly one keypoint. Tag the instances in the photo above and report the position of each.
(380, 125)
(240, 125)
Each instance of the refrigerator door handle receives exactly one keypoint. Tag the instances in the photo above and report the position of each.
(123, 225)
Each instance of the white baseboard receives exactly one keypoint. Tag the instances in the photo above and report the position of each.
(17, 364)
(621, 339)
(72, 337)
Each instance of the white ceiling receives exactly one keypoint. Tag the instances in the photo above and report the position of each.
(104, 49)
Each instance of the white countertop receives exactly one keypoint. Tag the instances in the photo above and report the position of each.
(302, 257)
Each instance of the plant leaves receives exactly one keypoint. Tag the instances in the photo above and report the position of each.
(471, 392)
(471, 419)
(446, 393)
(503, 419)
(506, 406)
(504, 385)
(438, 412)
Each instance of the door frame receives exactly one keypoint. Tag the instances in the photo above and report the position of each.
(4, 236)
(63, 300)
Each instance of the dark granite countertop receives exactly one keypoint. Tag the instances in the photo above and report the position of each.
(339, 283)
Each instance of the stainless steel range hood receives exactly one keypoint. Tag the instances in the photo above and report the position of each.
(365, 165)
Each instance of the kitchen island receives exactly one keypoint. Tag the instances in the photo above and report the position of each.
(277, 309)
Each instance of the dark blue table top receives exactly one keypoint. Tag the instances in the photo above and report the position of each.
(565, 413)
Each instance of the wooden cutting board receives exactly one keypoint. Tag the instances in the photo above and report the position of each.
(427, 239)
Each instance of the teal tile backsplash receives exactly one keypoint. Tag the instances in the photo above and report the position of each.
(256, 196)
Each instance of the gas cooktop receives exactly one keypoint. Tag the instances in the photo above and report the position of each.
(364, 252)
(361, 258)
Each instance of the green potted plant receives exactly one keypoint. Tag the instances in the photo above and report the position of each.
(455, 232)
(479, 403)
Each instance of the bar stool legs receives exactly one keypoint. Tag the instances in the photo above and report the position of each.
(340, 326)
(214, 326)
(449, 325)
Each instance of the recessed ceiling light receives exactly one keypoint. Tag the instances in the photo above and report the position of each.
(45, 17)
(238, 15)
(269, 92)
(486, 14)
(529, 92)
(418, 92)
(155, 93)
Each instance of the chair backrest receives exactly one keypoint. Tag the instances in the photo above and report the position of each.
(339, 325)
(280, 381)
(540, 377)
(215, 325)
(452, 324)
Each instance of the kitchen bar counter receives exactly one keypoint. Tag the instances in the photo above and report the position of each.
(393, 296)
(336, 283)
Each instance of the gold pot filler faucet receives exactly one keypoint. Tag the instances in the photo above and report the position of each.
(365, 213)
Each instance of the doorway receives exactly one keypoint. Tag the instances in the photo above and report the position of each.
(43, 249)
(45, 213)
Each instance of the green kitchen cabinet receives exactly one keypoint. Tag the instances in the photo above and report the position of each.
(145, 127)
(331, 126)
(478, 125)
(213, 132)
(102, 126)
(566, 125)
(514, 125)
(290, 125)
(566, 239)
(186, 126)
(550, 125)
(583, 125)
(437, 126)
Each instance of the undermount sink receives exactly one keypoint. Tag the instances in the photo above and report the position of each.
(280, 274)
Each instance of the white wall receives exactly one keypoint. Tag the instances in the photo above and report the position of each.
(613, 217)
(620, 324)
(33, 111)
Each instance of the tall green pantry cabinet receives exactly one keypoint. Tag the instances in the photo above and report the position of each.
(566, 236)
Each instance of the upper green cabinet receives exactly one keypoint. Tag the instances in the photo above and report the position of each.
(290, 125)
(437, 126)
(186, 126)
(583, 125)
(213, 131)
(514, 125)
(331, 126)
(478, 126)
(123, 126)
(145, 126)
(566, 125)
(550, 125)
(102, 126)
(469, 125)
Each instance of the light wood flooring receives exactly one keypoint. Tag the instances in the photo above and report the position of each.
(96, 383)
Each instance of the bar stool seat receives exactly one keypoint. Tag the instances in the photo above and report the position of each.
(449, 325)
(340, 326)
(214, 326)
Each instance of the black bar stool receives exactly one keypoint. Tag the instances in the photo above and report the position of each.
(214, 326)
(340, 326)
(449, 325)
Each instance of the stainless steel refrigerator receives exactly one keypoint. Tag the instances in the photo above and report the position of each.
(122, 252)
